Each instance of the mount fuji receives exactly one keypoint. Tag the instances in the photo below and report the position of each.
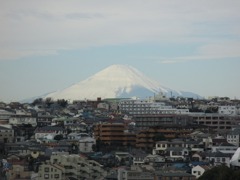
(116, 81)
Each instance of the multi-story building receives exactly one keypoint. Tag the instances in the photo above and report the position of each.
(20, 119)
(114, 133)
(44, 120)
(147, 138)
(135, 173)
(140, 107)
(63, 165)
(215, 121)
(228, 110)
(5, 116)
(6, 134)
(233, 137)
(145, 121)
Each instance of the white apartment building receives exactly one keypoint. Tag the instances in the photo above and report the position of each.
(138, 107)
(228, 110)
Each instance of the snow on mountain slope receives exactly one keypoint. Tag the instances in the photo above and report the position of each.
(114, 81)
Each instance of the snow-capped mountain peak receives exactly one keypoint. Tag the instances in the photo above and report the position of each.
(114, 81)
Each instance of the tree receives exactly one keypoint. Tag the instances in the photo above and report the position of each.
(49, 101)
(58, 137)
(37, 101)
(220, 173)
(62, 102)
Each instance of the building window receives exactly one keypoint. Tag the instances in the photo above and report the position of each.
(46, 169)
(46, 176)
(56, 176)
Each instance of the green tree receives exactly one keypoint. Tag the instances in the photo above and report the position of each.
(62, 102)
(58, 137)
(218, 173)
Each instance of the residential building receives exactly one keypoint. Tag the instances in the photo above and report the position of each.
(41, 132)
(86, 144)
(44, 120)
(22, 118)
(227, 110)
(63, 165)
(147, 138)
(233, 137)
(225, 148)
(198, 170)
(174, 175)
(5, 116)
(144, 121)
(218, 122)
(114, 133)
(135, 173)
(176, 153)
(6, 134)
(218, 158)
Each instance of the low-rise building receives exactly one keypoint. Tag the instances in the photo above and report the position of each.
(86, 144)
(41, 132)
(198, 170)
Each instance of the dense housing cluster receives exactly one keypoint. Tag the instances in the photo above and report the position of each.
(120, 138)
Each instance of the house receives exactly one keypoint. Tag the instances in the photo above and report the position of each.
(177, 153)
(50, 171)
(41, 132)
(86, 144)
(195, 146)
(151, 159)
(198, 170)
(139, 158)
(226, 148)
(218, 158)
(77, 136)
(161, 146)
(198, 156)
(233, 137)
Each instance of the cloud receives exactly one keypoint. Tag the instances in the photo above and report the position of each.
(75, 24)
(223, 50)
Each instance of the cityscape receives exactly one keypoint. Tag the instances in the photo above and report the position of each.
(120, 90)
(120, 138)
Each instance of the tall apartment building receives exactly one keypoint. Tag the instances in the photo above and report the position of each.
(140, 107)
(114, 132)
